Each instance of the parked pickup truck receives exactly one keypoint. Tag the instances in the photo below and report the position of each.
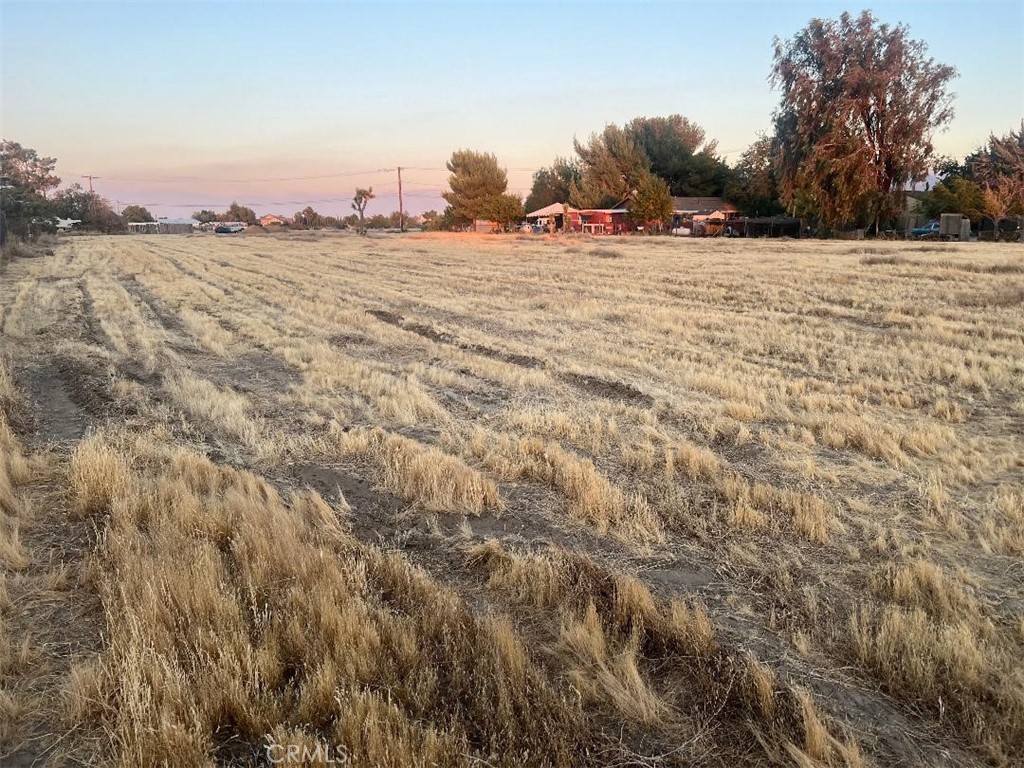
(931, 228)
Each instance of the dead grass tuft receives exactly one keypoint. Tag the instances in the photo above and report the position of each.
(220, 634)
(923, 584)
(99, 476)
(591, 496)
(439, 481)
(947, 665)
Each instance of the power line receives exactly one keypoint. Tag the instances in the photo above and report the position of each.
(269, 179)
(179, 179)
(252, 203)
(92, 195)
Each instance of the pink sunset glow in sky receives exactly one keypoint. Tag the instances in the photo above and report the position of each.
(186, 106)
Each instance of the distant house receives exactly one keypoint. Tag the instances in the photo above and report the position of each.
(273, 220)
(66, 225)
(693, 215)
(594, 221)
(599, 221)
(555, 213)
(702, 208)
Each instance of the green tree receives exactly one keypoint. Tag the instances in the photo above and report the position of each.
(205, 216)
(88, 207)
(23, 167)
(753, 186)
(396, 219)
(378, 221)
(236, 212)
(359, 203)
(506, 209)
(954, 195)
(678, 151)
(553, 184)
(136, 213)
(23, 213)
(1002, 157)
(651, 203)
(475, 183)
(25, 182)
(998, 167)
(439, 222)
(612, 166)
(308, 218)
(430, 219)
(860, 102)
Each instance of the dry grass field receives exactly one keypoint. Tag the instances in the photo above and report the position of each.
(452, 501)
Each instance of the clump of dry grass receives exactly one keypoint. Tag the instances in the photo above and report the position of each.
(227, 410)
(437, 480)
(17, 650)
(921, 583)
(947, 410)
(605, 671)
(607, 253)
(1002, 527)
(949, 666)
(879, 256)
(750, 503)
(591, 496)
(99, 476)
(617, 634)
(207, 331)
(220, 634)
(15, 470)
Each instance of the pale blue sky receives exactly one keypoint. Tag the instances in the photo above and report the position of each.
(236, 96)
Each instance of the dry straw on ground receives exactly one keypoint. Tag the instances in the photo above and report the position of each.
(516, 501)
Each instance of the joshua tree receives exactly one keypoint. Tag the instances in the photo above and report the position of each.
(363, 196)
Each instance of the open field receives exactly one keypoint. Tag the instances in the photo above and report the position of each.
(506, 501)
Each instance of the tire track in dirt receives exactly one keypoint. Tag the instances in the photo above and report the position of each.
(594, 386)
(442, 337)
(55, 620)
(168, 319)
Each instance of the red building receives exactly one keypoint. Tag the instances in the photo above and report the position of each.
(599, 221)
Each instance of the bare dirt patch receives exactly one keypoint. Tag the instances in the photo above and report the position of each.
(168, 319)
(386, 317)
(612, 390)
(442, 337)
(67, 396)
(57, 417)
(254, 372)
(523, 361)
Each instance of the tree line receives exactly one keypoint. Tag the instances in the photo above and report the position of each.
(31, 203)
(860, 104)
